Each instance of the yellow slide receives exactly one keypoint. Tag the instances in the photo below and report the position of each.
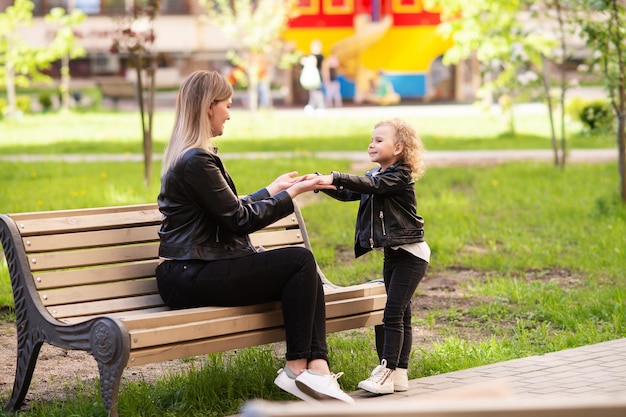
(348, 51)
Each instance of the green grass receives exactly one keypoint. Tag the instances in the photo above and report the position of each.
(547, 244)
(119, 132)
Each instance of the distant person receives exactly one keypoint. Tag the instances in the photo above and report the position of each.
(387, 220)
(381, 91)
(311, 76)
(265, 82)
(206, 257)
(332, 88)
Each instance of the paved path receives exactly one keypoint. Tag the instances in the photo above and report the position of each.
(597, 370)
(589, 381)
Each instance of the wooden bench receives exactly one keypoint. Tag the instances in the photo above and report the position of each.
(116, 89)
(84, 279)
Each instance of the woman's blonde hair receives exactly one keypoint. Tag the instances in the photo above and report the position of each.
(192, 127)
(412, 146)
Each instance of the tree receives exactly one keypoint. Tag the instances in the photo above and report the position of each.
(65, 45)
(604, 27)
(513, 40)
(558, 19)
(21, 64)
(257, 26)
(135, 37)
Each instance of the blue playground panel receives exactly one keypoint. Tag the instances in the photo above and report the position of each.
(406, 85)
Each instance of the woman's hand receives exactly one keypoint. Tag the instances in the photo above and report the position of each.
(283, 182)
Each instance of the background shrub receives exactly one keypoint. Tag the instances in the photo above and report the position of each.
(594, 114)
(23, 104)
(597, 115)
(45, 101)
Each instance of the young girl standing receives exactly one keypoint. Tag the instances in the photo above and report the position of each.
(387, 220)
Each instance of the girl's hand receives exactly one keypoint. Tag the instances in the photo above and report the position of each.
(324, 179)
(310, 183)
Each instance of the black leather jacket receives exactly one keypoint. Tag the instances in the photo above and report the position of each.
(203, 218)
(387, 213)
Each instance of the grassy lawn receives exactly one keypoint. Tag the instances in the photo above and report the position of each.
(547, 247)
(119, 132)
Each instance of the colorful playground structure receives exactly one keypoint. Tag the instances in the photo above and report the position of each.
(394, 39)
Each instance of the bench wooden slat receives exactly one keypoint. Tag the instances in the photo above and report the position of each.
(287, 221)
(105, 307)
(118, 314)
(86, 222)
(84, 294)
(64, 241)
(237, 341)
(197, 329)
(355, 305)
(82, 212)
(358, 290)
(177, 317)
(95, 275)
(100, 256)
(277, 238)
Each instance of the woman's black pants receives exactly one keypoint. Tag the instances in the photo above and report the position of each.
(288, 275)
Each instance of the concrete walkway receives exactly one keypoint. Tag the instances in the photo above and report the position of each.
(589, 381)
(597, 370)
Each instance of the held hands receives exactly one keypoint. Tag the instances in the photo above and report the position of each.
(313, 182)
(297, 185)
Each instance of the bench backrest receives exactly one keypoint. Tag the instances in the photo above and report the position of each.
(90, 262)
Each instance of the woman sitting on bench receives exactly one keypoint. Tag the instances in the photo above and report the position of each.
(207, 256)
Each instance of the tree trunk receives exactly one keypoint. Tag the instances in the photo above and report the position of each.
(559, 14)
(147, 140)
(65, 83)
(145, 124)
(10, 86)
(621, 146)
(546, 87)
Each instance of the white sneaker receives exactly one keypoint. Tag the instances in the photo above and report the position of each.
(380, 381)
(287, 383)
(401, 380)
(322, 386)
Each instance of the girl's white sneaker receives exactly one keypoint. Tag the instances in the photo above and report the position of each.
(381, 381)
(401, 380)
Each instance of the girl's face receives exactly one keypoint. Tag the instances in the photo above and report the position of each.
(383, 148)
(219, 112)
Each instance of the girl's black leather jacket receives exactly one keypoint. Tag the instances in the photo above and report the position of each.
(387, 213)
(203, 218)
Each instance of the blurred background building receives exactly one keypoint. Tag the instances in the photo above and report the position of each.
(395, 38)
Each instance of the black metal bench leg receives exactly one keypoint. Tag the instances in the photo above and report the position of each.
(110, 379)
(111, 350)
(27, 354)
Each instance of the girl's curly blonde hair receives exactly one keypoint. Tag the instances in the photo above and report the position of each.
(413, 148)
